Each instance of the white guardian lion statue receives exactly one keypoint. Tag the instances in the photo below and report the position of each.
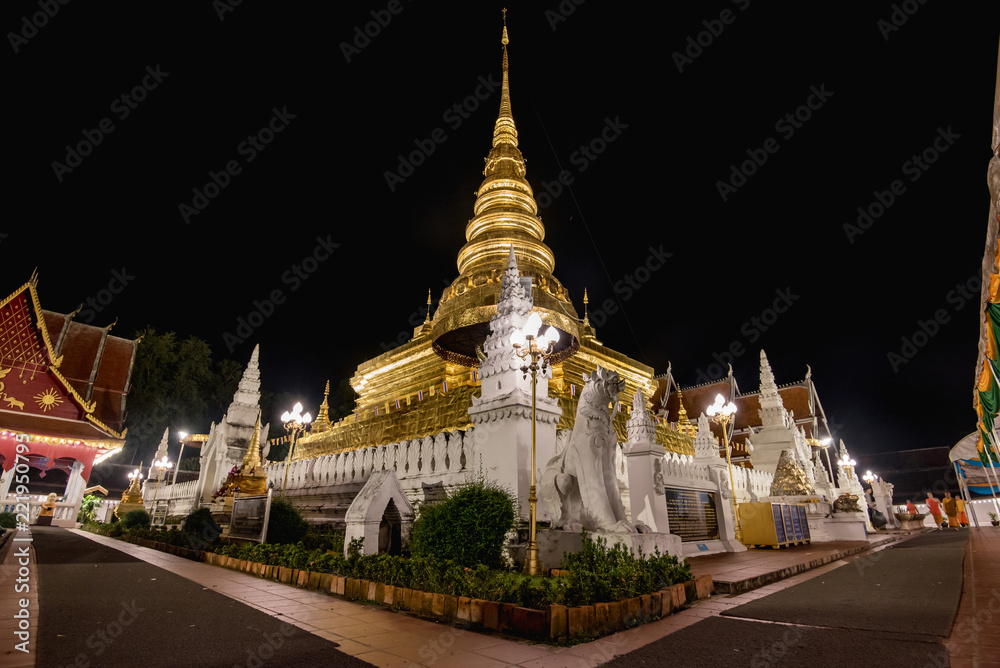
(579, 485)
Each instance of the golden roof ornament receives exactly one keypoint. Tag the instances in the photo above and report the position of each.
(684, 424)
(322, 421)
(251, 460)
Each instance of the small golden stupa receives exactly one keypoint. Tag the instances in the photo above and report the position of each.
(684, 425)
(249, 478)
(790, 479)
(131, 497)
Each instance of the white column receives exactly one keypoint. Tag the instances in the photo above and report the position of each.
(75, 484)
(649, 506)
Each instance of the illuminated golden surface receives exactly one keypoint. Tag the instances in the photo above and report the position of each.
(505, 216)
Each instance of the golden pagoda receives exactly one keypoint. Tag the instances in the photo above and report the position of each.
(250, 478)
(424, 387)
(131, 497)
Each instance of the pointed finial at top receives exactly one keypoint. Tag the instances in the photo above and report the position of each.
(586, 316)
(504, 131)
(427, 318)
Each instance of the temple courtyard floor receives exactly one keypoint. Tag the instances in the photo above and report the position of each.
(914, 600)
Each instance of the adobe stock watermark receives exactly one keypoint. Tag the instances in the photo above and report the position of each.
(752, 329)
(223, 7)
(773, 655)
(99, 641)
(562, 12)
(454, 116)
(256, 656)
(122, 107)
(293, 277)
(96, 304)
(248, 149)
(30, 25)
(898, 17)
(363, 35)
(581, 158)
(629, 284)
(787, 125)
(696, 44)
(925, 330)
(913, 168)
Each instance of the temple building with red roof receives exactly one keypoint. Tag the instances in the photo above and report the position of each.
(63, 386)
(791, 415)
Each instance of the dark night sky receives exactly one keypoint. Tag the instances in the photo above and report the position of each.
(886, 96)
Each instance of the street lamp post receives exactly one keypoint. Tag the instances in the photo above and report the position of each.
(847, 465)
(161, 466)
(723, 414)
(535, 352)
(182, 435)
(294, 423)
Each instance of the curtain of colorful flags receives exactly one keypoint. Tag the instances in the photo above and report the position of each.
(987, 404)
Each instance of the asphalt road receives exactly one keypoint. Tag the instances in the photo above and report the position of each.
(890, 608)
(101, 607)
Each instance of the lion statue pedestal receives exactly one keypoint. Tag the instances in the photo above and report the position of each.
(579, 486)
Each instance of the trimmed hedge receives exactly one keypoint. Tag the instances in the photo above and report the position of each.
(469, 527)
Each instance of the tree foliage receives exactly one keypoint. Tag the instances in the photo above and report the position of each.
(285, 525)
(174, 382)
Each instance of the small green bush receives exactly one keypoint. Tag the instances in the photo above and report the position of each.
(285, 525)
(597, 573)
(86, 513)
(469, 527)
(201, 529)
(8, 520)
(135, 519)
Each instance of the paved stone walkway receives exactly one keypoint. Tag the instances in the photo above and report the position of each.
(390, 639)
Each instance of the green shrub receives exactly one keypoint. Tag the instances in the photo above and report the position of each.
(8, 520)
(285, 524)
(597, 573)
(201, 529)
(86, 513)
(324, 537)
(469, 527)
(135, 519)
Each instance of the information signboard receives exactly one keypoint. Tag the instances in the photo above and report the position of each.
(692, 514)
(249, 518)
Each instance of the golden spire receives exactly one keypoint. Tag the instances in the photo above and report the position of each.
(684, 425)
(504, 132)
(322, 421)
(251, 460)
(505, 215)
(427, 320)
(133, 487)
(586, 319)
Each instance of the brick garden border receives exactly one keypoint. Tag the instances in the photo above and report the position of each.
(553, 623)
(556, 622)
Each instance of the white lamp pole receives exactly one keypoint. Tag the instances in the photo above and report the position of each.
(533, 349)
(182, 435)
(161, 466)
(723, 414)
